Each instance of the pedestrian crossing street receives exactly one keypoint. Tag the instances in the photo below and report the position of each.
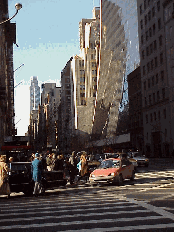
(90, 209)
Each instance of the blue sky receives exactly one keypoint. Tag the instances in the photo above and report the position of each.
(47, 35)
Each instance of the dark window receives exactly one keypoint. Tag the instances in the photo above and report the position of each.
(159, 23)
(158, 5)
(151, 48)
(164, 113)
(145, 101)
(94, 94)
(156, 62)
(150, 32)
(162, 75)
(149, 15)
(147, 51)
(160, 40)
(163, 93)
(153, 12)
(161, 58)
(150, 100)
(153, 98)
(144, 85)
(158, 96)
(148, 83)
(155, 45)
(151, 117)
(159, 115)
(152, 65)
(157, 78)
(142, 39)
(144, 70)
(146, 118)
(154, 29)
(155, 116)
(143, 56)
(145, 4)
(145, 19)
(148, 67)
(141, 22)
(147, 35)
(153, 80)
(141, 9)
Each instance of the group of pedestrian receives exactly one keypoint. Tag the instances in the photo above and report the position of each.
(4, 183)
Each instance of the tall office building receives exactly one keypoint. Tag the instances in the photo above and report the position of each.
(119, 56)
(34, 94)
(156, 48)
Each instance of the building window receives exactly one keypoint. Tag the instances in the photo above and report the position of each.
(147, 35)
(145, 4)
(144, 70)
(147, 51)
(158, 5)
(155, 45)
(94, 94)
(141, 23)
(145, 19)
(164, 113)
(149, 15)
(143, 56)
(159, 115)
(151, 117)
(151, 64)
(154, 29)
(151, 48)
(148, 67)
(157, 78)
(145, 101)
(142, 39)
(163, 93)
(148, 83)
(161, 58)
(153, 12)
(170, 31)
(158, 96)
(156, 62)
(146, 118)
(150, 32)
(144, 85)
(153, 98)
(159, 23)
(94, 79)
(95, 87)
(150, 100)
(153, 81)
(160, 40)
(155, 116)
(141, 9)
(162, 75)
(82, 94)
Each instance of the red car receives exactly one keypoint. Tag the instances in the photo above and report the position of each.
(113, 170)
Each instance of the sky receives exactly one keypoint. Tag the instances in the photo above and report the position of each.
(47, 36)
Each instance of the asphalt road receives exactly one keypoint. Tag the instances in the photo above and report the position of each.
(145, 204)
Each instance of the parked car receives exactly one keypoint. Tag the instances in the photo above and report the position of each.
(20, 178)
(141, 160)
(112, 170)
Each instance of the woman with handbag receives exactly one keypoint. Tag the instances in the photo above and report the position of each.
(4, 183)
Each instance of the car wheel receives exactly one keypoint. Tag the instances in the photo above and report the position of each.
(132, 176)
(120, 179)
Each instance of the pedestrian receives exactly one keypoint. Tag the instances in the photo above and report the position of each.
(49, 162)
(84, 172)
(36, 169)
(4, 182)
(72, 167)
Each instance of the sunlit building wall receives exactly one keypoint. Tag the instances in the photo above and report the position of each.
(34, 94)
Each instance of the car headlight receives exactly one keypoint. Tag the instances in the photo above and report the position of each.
(92, 175)
(111, 174)
(146, 159)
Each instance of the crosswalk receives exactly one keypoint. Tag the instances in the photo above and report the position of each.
(90, 209)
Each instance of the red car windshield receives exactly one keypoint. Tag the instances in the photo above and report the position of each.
(110, 164)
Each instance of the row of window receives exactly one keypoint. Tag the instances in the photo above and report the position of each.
(153, 64)
(152, 47)
(148, 33)
(153, 116)
(156, 97)
(81, 63)
(154, 79)
(146, 4)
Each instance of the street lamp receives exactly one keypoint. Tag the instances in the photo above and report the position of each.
(18, 6)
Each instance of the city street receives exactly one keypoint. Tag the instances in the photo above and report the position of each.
(146, 204)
